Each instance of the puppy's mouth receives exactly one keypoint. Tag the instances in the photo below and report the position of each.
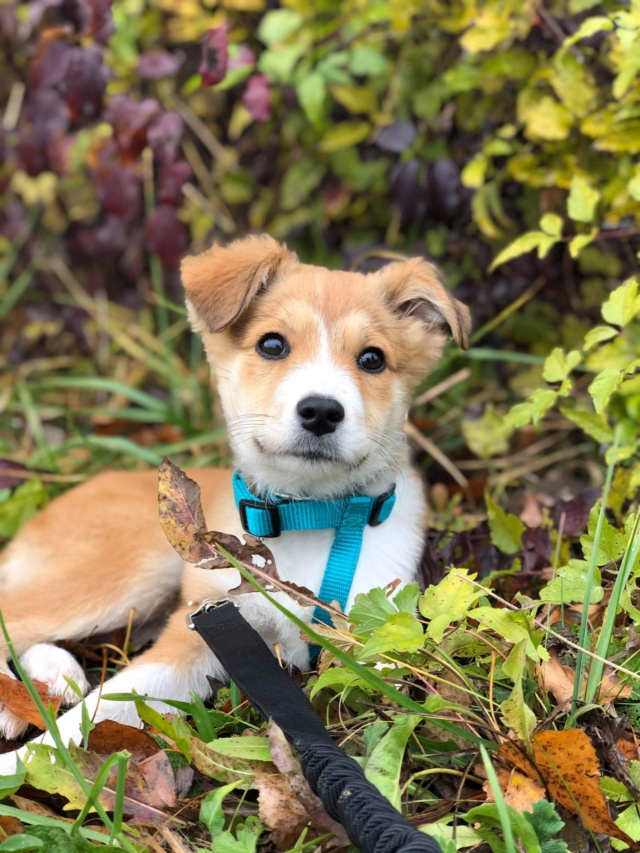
(313, 454)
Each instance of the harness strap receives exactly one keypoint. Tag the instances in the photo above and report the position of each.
(349, 516)
(371, 822)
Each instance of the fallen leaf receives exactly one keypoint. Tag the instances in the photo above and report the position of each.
(522, 792)
(108, 737)
(10, 826)
(629, 749)
(567, 764)
(289, 766)
(15, 696)
(611, 689)
(149, 786)
(279, 807)
(556, 678)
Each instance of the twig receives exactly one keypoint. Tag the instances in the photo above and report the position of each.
(442, 387)
(429, 447)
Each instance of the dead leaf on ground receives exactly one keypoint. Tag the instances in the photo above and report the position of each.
(10, 826)
(15, 696)
(629, 749)
(109, 736)
(611, 688)
(289, 767)
(567, 764)
(519, 790)
(279, 808)
(556, 678)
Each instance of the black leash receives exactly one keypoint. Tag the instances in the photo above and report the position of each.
(371, 822)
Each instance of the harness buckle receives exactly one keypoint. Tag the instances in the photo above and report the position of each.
(205, 607)
(274, 516)
(378, 505)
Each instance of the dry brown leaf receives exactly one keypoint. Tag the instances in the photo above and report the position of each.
(10, 826)
(16, 697)
(556, 678)
(522, 792)
(290, 768)
(566, 762)
(109, 736)
(279, 808)
(184, 525)
(611, 689)
(628, 749)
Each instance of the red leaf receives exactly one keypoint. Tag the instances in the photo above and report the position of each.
(215, 56)
(164, 134)
(172, 179)
(85, 81)
(166, 235)
(155, 64)
(130, 120)
(257, 98)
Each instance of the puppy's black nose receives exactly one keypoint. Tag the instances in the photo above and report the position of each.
(320, 415)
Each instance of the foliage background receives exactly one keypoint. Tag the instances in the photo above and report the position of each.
(497, 137)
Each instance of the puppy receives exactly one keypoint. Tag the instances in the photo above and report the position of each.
(315, 370)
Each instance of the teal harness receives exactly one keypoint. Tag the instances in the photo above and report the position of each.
(349, 516)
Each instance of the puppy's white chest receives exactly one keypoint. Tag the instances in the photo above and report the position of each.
(388, 551)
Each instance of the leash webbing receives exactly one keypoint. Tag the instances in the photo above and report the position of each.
(370, 821)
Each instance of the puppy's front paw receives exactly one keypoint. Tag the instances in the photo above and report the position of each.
(11, 726)
(52, 665)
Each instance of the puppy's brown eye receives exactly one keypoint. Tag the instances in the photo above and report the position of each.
(372, 360)
(272, 346)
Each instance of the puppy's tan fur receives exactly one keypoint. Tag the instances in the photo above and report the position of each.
(98, 552)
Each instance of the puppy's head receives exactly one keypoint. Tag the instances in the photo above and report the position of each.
(316, 368)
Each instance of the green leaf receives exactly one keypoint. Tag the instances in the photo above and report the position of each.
(513, 626)
(598, 335)
(488, 435)
(367, 62)
(588, 27)
(250, 748)
(623, 304)
(595, 425)
(385, 762)
(523, 244)
(603, 387)
(506, 530)
(487, 823)
(56, 840)
(21, 842)
(544, 118)
(312, 95)
(339, 680)
(246, 840)
(551, 224)
(569, 585)
(278, 25)
(517, 715)
(211, 814)
(10, 784)
(546, 823)
(278, 62)
(27, 500)
(370, 611)
(344, 135)
(407, 599)
(448, 602)
(402, 632)
(558, 365)
(580, 242)
(582, 201)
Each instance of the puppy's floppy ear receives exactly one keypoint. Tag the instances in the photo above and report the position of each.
(413, 289)
(221, 282)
